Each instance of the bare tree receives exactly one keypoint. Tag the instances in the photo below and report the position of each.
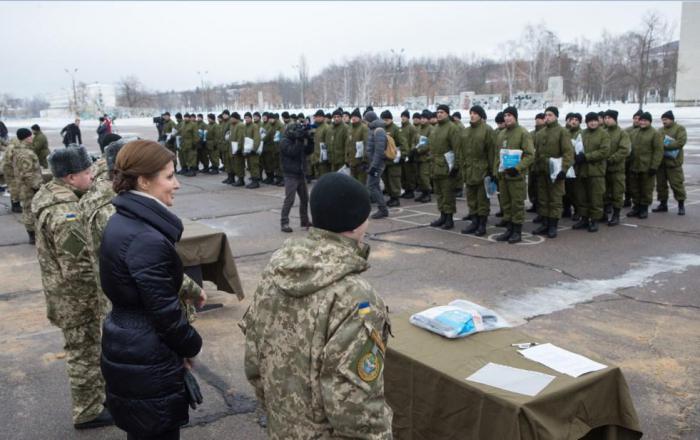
(131, 92)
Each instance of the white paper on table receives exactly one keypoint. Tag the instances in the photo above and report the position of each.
(515, 380)
(359, 149)
(561, 360)
(234, 147)
(248, 145)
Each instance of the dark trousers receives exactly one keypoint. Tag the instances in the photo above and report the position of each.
(170, 435)
(375, 191)
(294, 185)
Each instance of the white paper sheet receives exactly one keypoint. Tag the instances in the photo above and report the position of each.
(359, 149)
(515, 380)
(562, 360)
(248, 145)
(234, 147)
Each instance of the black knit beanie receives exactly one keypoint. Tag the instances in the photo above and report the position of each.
(611, 113)
(647, 116)
(339, 203)
(511, 111)
(668, 115)
(499, 118)
(552, 109)
(479, 110)
(386, 114)
(591, 116)
(23, 133)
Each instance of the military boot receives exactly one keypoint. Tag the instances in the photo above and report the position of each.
(627, 203)
(393, 202)
(516, 236)
(473, 227)
(423, 198)
(499, 214)
(239, 182)
(408, 194)
(449, 222)
(439, 222)
(381, 213)
(582, 224)
(643, 211)
(16, 207)
(230, 179)
(285, 228)
(190, 172)
(102, 419)
(663, 207)
(254, 183)
(615, 217)
(608, 208)
(593, 226)
(470, 217)
(482, 226)
(543, 228)
(681, 207)
(32, 237)
(269, 180)
(279, 181)
(553, 227)
(506, 235)
(634, 212)
(213, 170)
(538, 219)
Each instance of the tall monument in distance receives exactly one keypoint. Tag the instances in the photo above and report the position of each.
(688, 78)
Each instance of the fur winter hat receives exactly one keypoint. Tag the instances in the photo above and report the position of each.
(69, 160)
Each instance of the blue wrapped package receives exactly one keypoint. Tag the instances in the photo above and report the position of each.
(458, 319)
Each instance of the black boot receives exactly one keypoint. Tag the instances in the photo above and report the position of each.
(269, 180)
(643, 211)
(482, 226)
(543, 228)
(681, 207)
(634, 212)
(470, 217)
(473, 227)
(439, 222)
(393, 202)
(279, 181)
(381, 213)
(663, 207)
(538, 219)
(575, 217)
(608, 209)
(103, 419)
(553, 228)
(582, 224)
(424, 197)
(627, 203)
(32, 237)
(285, 228)
(230, 179)
(189, 172)
(593, 226)
(499, 214)
(532, 208)
(254, 183)
(239, 182)
(449, 222)
(16, 207)
(213, 170)
(506, 235)
(516, 236)
(615, 217)
(567, 212)
(408, 194)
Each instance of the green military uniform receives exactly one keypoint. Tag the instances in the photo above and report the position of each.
(213, 139)
(571, 195)
(316, 336)
(267, 157)
(190, 141)
(26, 173)
(590, 175)
(392, 170)
(424, 159)
(552, 141)
(238, 130)
(321, 141)
(180, 127)
(512, 188)
(532, 187)
(357, 133)
(9, 174)
(40, 145)
(336, 148)
(95, 211)
(170, 131)
(226, 149)
(72, 302)
(646, 157)
(631, 130)
(201, 144)
(252, 159)
(476, 157)
(444, 137)
(671, 168)
(409, 168)
(615, 170)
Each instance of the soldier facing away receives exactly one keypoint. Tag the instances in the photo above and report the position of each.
(316, 331)
(26, 174)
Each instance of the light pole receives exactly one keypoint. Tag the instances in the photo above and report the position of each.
(75, 92)
(203, 91)
(397, 55)
(301, 81)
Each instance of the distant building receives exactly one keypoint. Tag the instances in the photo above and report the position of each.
(688, 79)
(92, 100)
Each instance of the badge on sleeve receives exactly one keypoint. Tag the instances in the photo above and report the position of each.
(71, 217)
(363, 308)
(369, 365)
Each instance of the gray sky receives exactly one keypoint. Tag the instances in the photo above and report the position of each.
(249, 41)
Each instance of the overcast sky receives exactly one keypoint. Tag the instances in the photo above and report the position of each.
(165, 44)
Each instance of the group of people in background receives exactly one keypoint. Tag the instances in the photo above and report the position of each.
(599, 169)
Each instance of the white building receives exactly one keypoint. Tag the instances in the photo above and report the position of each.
(93, 99)
(688, 79)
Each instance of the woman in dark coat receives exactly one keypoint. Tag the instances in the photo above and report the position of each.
(147, 342)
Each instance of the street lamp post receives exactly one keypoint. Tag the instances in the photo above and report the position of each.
(301, 81)
(75, 92)
(396, 64)
(204, 92)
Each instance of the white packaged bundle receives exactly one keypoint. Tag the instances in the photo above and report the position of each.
(490, 186)
(397, 159)
(509, 158)
(248, 145)
(178, 139)
(234, 147)
(278, 136)
(450, 159)
(324, 153)
(345, 170)
(359, 149)
(422, 141)
(458, 319)
(554, 168)
(578, 144)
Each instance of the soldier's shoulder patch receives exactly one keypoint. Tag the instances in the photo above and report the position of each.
(70, 216)
(363, 308)
(369, 365)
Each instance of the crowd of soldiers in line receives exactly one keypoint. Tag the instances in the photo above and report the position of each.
(602, 168)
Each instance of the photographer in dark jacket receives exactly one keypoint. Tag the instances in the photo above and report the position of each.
(296, 145)
(376, 150)
(71, 133)
(147, 342)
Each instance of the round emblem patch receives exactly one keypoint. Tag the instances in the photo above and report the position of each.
(369, 366)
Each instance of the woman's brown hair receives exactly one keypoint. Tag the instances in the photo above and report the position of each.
(139, 158)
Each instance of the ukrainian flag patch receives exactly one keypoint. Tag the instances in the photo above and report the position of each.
(71, 217)
(363, 308)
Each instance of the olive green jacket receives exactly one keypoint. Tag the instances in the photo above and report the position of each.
(676, 132)
(552, 141)
(596, 148)
(620, 146)
(476, 151)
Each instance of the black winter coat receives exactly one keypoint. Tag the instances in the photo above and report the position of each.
(293, 153)
(71, 135)
(146, 334)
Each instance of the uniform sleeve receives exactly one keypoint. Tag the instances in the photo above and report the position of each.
(623, 149)
(528, 152)
(567, 153)
(602, 152)
(681, 139)
(150, 265)
(352, 383)
(189, 289)
(71, 249)
(657, 150)
(256, 140)
(251, 362)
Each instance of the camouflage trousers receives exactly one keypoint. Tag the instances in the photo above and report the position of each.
(25, 197)
(83, 350)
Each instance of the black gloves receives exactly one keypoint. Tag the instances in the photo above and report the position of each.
(454, 171)
(194, 394)
(561, 175)
(373, 172)
(580, 158)
(512, 172)
(651, 172)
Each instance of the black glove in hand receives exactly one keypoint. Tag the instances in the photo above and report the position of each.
(580, 158)
(512, 172)
(454, 171)
(651, 172)
(194, 394)
(373, 172)
(561, 175)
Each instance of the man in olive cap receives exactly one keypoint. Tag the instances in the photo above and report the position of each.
(671, 169)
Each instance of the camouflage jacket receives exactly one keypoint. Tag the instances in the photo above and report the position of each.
(95, 211)
(66, 271)
(316, 334)
(24, 165)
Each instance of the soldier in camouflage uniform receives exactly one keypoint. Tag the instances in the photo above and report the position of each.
(9, 175)
(392, 168)
(170, 133)
(320, 161)
(72, 301)
(312, 300)
(238, 136)
(647, 155)
(339, 139)
(40, 145)
(213, 139)
(26, 173)
(615, 167)
(95, 210)
(444, 140)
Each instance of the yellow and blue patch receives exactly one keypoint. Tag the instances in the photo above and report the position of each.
(363, 308)
(71, 217)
